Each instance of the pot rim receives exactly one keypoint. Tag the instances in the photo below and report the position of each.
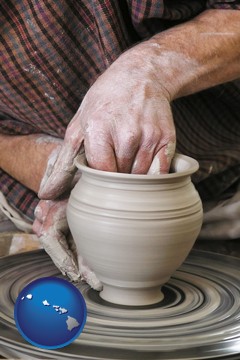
(190, 166)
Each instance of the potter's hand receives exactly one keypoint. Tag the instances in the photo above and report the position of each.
(52, 229)
(125, 119)
(126, 122)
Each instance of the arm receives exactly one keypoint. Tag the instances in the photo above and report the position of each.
(25, 157)
(130, 128)
(199, 54)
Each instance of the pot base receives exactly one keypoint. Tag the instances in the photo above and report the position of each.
(131, 297)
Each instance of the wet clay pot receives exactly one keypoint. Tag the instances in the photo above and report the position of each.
(134, 231)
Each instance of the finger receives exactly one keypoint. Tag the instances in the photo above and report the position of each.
(100, 154)
(52, 229)
(142, 160)
(61, 169)
(112, 149)
(126, 149)
(42, 209)
(37, 226)
(40, 214)
(54, 243)
(88, 275)
(150, 141)
(162, 160)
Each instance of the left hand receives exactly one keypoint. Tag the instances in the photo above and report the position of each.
(52, 229)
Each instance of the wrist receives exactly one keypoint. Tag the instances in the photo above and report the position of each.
(192, 56)
(169, 70)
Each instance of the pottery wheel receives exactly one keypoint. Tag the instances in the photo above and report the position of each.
(198, 319)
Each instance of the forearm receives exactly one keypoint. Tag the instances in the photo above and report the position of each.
(193, 56)
(211, 45)
(25, 157)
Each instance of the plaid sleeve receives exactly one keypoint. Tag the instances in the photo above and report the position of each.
(225, 4)
(18, 196)
(12, 126)
(148, 17)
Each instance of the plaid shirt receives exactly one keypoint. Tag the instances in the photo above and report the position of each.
(53, 51)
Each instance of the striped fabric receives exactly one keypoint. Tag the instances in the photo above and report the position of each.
(208, 129)
(51, 53)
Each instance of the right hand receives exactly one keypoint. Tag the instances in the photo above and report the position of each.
(125, 122)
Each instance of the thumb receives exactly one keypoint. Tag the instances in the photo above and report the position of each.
(60, 169)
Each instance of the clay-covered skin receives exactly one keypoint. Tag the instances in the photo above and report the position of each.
(52, 228)
(125, 119)
(135, 230)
